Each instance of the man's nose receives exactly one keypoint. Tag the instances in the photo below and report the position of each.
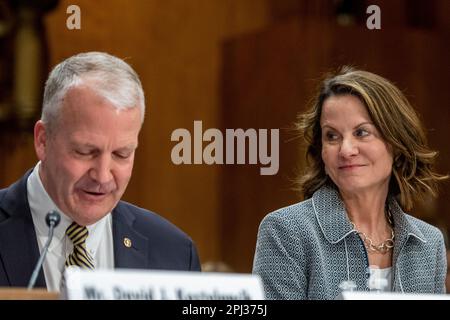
(101, 171)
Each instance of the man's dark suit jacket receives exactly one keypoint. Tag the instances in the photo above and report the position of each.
(156, 243)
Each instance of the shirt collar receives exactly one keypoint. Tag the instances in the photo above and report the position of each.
(41, 203)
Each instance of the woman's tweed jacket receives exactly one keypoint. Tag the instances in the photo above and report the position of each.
(306, 250)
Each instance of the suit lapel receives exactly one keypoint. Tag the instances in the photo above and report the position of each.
(130, 247)
(19, 249)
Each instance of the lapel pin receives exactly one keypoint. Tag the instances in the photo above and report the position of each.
(127, 242)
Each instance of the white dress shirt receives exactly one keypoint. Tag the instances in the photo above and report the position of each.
(99, 242)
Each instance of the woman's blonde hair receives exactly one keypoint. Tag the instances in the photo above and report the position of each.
(413, 175)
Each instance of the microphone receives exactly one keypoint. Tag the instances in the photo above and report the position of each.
(52, 219)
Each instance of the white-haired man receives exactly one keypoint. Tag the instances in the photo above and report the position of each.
(93, 110)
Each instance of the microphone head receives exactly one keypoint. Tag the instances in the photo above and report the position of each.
(52, 218)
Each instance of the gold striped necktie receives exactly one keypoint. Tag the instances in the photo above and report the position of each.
(80, 256)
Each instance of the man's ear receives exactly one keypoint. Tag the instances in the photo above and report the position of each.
(40, 140)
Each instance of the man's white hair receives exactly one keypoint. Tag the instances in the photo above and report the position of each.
(109, 76)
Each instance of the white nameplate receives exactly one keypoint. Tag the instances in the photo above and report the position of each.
(364, 295)
(128, 284)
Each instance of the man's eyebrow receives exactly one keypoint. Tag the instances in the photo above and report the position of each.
(130, 148)
(83, 145)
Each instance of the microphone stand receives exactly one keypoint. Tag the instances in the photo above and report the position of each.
(52, 219)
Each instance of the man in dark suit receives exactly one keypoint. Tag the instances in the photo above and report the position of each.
(93, 110)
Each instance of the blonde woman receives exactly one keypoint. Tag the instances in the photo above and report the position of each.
(368, 160)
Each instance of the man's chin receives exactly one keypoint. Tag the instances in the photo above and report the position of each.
(92, 214)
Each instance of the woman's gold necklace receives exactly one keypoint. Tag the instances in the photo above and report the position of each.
(384, 246)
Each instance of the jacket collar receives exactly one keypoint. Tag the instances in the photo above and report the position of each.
(404, 229)
(335, 225)
(331, 215)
